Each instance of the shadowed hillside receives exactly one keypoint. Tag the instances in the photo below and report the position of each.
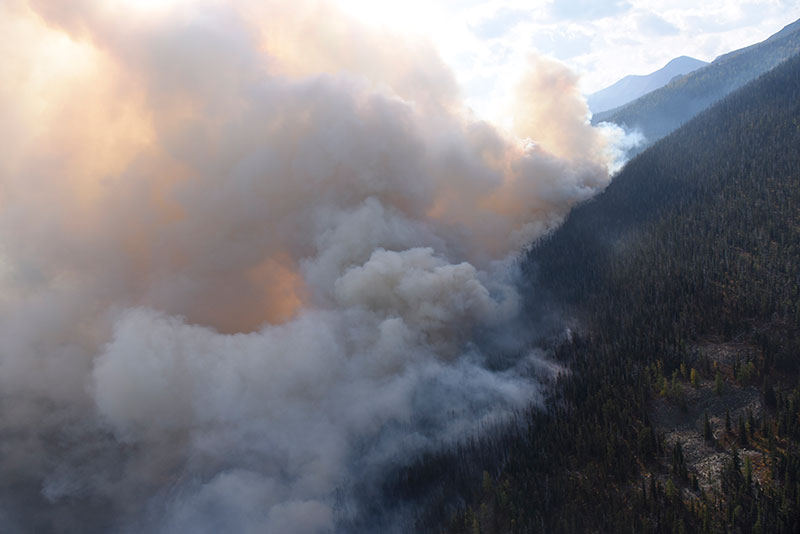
(681, 411)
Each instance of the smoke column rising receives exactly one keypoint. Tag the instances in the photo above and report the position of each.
(238, 238)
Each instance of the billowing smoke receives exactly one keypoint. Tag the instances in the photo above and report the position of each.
(242, 244)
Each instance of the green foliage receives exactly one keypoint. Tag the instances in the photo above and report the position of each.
(671, 492)
(748, 471)
(697, 238)
(695, 378)
(746, 373)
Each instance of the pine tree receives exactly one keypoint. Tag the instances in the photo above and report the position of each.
(671, 491)
(742, 432)
(748, 472)
(708, 434)
(694, 377)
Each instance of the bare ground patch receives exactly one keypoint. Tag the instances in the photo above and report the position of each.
(684, 422)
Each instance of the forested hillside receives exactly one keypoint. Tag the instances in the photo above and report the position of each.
(661, 111)
(681, 409)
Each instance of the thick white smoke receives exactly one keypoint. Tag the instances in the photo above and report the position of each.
(238, 239)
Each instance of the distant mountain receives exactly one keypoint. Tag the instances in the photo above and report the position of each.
(661, 111)
(632, 87)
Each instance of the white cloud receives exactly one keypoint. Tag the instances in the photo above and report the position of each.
(653, 24)
(486, 42)
(588, 9)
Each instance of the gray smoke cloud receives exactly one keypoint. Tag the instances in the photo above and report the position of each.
(242, 242)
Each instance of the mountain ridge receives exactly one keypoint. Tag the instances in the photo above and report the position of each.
(660, 112)
(635, 85)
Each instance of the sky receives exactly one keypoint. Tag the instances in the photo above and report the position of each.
(487, 42)
(253, 253)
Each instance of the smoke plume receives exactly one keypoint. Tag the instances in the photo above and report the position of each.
(239, 239)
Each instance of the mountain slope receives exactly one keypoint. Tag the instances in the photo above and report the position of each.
(632, 87)
(695, 244)
(663, 110)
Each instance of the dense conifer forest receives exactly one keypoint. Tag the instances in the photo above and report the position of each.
(680, 411)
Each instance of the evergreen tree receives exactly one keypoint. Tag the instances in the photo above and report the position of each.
(708, 435)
